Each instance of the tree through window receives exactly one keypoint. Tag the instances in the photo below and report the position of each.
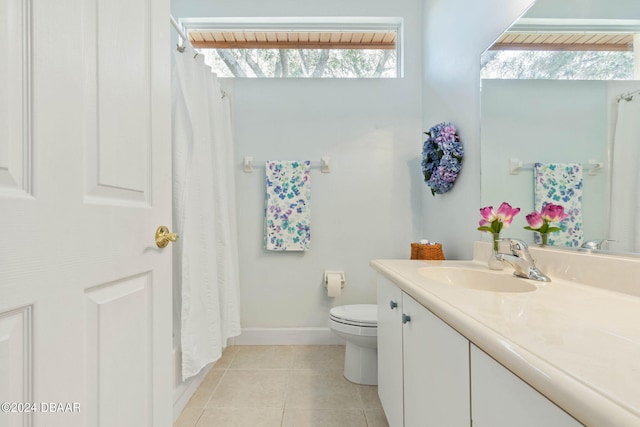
(562, 51)
(283, 63)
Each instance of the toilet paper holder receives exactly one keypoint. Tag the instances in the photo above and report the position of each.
(326, 278)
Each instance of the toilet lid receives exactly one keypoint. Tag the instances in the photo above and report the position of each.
(361, 313)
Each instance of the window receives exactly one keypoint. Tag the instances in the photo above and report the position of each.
(557, 65)
(563, 50)
(311, 48)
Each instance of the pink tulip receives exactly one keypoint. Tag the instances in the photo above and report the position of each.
(506, 213)
(484, 223)
(488, 215)
(553, 213)
(535, 220)
(494, 222)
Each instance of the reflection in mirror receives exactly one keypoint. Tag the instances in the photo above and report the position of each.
(558, 90)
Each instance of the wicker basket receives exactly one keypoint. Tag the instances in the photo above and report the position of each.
(427, 252)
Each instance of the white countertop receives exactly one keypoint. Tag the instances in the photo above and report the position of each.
(578, 345)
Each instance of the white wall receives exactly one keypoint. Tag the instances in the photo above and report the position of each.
(367, 207)
(456, 32)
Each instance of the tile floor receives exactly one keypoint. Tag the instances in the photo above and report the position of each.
(297, 386)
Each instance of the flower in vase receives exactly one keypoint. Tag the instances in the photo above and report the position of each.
(535, 221)
(496, 221)
(541, 221)
(553, 213)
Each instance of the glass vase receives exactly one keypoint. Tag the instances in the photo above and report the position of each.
(494, 263)
(544, 239)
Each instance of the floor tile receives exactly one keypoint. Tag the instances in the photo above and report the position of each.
(188, 418)
(376, 418)
(251, 388)
(319, 357)
(204, 392)
(321, 390)
(369, 396)
(293, 386)
(263, 357)
(212, 378)
(324, 418)
(228, 355)
(241, 417)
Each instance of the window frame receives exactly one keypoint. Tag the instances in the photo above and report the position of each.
(575, 26)
(304, 24)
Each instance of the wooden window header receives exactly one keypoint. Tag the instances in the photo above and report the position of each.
(564, 41)
(287, 39)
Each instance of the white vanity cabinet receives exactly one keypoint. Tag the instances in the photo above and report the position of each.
(423, 364)
(501, 399)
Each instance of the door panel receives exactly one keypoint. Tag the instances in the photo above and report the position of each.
(15, 363)
(15, 117)
(119, 331)
(119, 120)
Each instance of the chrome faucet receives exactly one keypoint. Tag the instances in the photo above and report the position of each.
(521, 260)
(595, 244)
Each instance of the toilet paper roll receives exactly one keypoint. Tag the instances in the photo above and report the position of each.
(334, 285)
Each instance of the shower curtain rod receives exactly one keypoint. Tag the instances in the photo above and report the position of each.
(628, 96)
(184, 38)
(176, 26)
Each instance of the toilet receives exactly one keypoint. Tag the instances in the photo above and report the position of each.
(358, 325)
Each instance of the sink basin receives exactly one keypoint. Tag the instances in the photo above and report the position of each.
(477, 279)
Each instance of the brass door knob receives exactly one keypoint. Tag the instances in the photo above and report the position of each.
(164, 236)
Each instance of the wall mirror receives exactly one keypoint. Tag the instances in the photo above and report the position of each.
(563, 111)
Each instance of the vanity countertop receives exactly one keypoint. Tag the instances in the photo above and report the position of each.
(578, 345)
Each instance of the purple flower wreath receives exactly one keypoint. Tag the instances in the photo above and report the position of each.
(441, 158)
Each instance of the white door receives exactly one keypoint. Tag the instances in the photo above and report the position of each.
(85, 169)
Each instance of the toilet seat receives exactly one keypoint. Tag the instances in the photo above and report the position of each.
(362, 315)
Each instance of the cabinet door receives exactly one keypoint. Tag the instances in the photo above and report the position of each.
(390, 350)
(436, 371)
(501, 399)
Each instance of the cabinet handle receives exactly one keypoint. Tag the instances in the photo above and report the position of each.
(406, 318)
(393, 304)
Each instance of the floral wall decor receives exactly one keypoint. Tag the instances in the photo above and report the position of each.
(442, 154)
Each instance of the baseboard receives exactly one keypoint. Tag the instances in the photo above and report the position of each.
(286, 336)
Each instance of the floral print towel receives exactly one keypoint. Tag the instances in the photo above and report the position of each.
(561, 184)
(287, 206)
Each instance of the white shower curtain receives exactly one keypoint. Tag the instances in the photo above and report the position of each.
(206, 291)
(624, 225)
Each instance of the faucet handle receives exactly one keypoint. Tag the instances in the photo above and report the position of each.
(595, 243)
(517, 246)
